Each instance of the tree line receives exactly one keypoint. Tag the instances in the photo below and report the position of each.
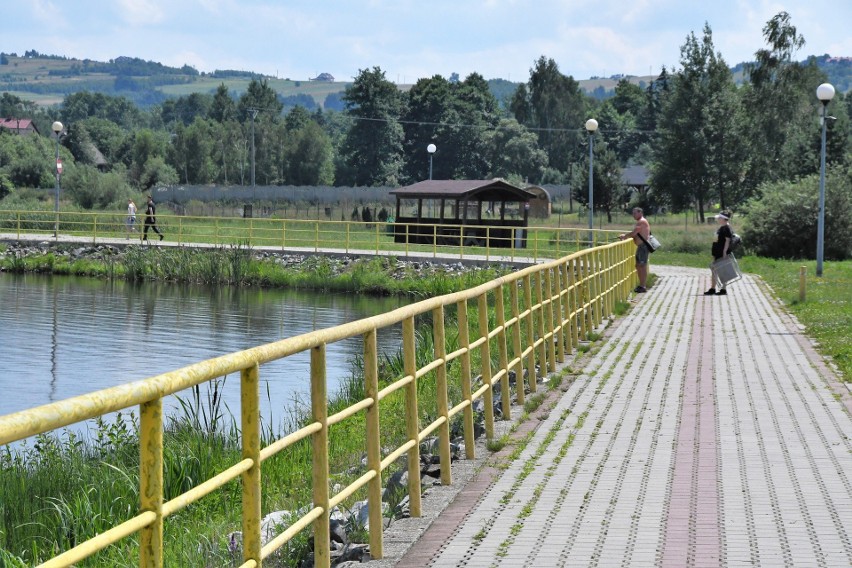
(705, 140)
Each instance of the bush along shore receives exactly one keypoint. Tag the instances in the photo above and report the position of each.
(61, 488)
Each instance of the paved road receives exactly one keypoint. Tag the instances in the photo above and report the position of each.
(705, 432)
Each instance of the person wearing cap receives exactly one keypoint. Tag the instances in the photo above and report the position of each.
(720, 249)
(642, 228)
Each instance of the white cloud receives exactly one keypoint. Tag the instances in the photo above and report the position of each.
(140, 12)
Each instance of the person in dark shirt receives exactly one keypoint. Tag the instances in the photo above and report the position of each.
(151, 220)
(721, 247)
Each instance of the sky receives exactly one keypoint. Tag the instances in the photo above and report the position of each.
(499, 39)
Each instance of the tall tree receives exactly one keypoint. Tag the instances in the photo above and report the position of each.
(697, 161)
(373, 145)
(514, 152)
(780, 105)
(555, 108)
(223, 108)
(426, 113)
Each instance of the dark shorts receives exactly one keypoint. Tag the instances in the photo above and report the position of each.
(642, 254)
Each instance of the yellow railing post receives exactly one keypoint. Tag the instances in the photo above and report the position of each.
(559, 311)
(574, 322)
(464, 343)
(551, 328)
(374, 455)
(412, 420)
(487, 243)
(377, 237)
(319, 410)
(533, 376)
(438, 333)
(348, 234)
(434, 240)
(250, 420)
(505, 395)
(584, 297)
(316, 236)
(151, 482)
(599, 281)
(542, 353)
(517, 350)
(283, 233)
(485, 356)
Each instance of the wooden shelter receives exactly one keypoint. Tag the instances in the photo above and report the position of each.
(462, 212)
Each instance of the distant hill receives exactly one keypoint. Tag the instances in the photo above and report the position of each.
(47, 79)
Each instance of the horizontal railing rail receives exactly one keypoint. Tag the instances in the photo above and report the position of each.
(491, 241)
(527, 319)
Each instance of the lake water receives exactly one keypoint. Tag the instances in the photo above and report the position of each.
(65, 336)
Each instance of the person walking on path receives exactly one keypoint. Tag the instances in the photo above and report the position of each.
(719, 250)
(151, 220)
(131, 217)
(640, 234)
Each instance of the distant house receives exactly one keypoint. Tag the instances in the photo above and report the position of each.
(95, 156)
(636, 179)
(20, 126)
(324, 77)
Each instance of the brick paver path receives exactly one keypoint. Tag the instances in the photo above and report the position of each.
(705, 432)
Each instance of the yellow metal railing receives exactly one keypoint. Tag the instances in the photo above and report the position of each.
(563, 300)
(309, 235)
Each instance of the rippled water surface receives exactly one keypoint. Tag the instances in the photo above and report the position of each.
(65, 336)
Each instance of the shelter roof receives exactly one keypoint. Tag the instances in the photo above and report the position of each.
(493, 189)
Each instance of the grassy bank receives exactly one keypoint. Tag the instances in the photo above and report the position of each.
(241, 266)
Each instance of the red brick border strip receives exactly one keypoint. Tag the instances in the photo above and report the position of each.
(692, 536)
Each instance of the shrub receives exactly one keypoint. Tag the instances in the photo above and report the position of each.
(783, 222)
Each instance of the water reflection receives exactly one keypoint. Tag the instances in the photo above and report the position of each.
(66, 336)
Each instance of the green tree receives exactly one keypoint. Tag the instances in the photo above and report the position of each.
(119, 110)
(698, 142)
(223, 108)
(259, 105)
(372, 147)
(426, 113)
(780, 106)
(472, 114)
(309, 156)
(192, 152)
(608, 191)
(90, 189)
(553, 105)
(514, 152)
(782, 222)
(619, 118)
(147, 146)
(186, 109)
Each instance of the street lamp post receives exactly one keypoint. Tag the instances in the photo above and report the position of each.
(431, 149)
(825, 93)
(57, 131)
(591, 126)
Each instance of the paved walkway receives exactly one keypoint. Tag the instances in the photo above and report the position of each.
(705, 432)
